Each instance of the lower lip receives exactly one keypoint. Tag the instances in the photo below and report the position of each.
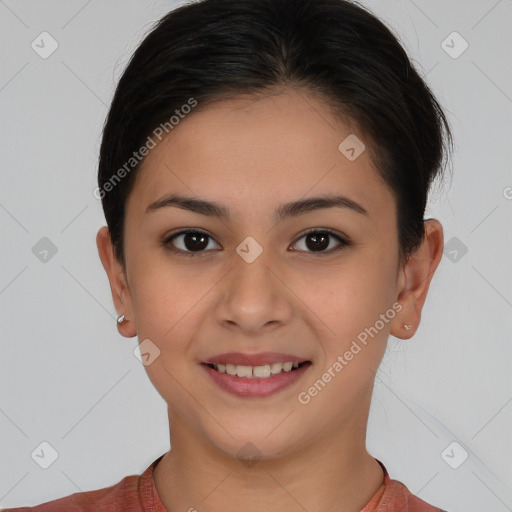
(242, 386)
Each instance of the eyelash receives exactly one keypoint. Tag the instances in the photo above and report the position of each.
(344, 242)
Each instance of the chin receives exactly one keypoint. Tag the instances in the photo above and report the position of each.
(256, 445)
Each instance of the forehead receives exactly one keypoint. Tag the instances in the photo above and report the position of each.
(274, 148)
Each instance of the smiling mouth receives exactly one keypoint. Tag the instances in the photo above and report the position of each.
(265, 371)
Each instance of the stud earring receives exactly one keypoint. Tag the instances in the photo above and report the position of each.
(120, 319)
(407, 327)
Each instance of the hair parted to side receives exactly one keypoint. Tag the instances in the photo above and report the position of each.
(213, 49)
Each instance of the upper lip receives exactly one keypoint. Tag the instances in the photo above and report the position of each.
(262, 358)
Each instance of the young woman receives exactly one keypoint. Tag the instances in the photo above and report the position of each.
(264, 172)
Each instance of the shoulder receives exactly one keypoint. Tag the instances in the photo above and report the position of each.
(399, 495)
(128, 495)
(394, 495)
(114, 498)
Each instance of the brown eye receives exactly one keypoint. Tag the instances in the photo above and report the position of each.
(189, 242)
(321, 241)
(317, 241)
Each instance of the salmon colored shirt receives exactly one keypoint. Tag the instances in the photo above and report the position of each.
(137, 493)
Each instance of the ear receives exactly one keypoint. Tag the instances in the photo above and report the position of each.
(414, 280)
(118, 282)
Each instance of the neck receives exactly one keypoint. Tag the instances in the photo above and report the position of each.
(331, 473)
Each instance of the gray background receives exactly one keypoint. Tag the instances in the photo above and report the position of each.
(69, 378)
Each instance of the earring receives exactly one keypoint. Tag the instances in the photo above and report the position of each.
(120, 319)
(407, 327)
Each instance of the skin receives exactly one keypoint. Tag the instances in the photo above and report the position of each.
(253, 156)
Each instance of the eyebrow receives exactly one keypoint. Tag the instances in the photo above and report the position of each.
(293, 209)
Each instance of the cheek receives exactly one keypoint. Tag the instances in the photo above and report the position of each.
(352, 301)
(357, 307)
(166, 303)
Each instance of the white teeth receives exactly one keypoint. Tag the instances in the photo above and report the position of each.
(256, 372)
(244, 371)
(261, 371)
(276, 368)
(287, 366)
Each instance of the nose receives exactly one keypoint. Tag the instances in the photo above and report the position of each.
(254, 297)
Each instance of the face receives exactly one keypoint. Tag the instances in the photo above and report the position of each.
(318, 283)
